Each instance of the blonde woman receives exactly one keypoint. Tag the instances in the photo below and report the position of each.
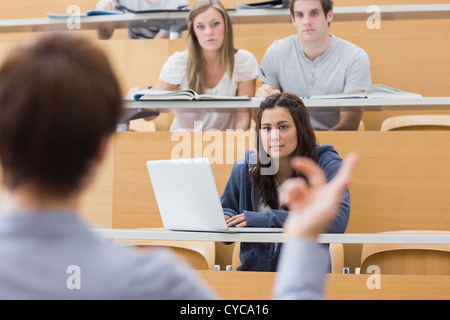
(210, 65)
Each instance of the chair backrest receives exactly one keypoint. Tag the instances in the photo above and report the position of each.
(337, 257)
(164, 121)
(411, 259)
(235, 260)
(142, 125)
(200, 255)
(361, 126)
(417, 122)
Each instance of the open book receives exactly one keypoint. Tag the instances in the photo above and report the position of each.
(373, 92)
(186, 95)
(91, 12)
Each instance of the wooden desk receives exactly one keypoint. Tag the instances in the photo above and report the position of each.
(347, 13)
(161, 234)
(400, 182)
(136, 109)
(175, 21)
(399, 104)
(258, 285)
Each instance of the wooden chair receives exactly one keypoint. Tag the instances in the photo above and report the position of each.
(411, 259)
(142, 125)
(416, 122)
(336, 255)
(235, 260)
(164, 121)
(200, 255)
(361, 126)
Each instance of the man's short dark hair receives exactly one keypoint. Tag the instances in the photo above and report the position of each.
(59, 100)
(327, 5)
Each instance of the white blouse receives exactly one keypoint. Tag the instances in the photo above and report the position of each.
(174, 72)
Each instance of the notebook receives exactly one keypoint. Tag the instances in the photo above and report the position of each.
(187, 196)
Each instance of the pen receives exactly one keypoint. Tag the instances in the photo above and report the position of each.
(149, 87)
(262, 72)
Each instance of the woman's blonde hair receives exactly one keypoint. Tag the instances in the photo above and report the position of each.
(196, 67)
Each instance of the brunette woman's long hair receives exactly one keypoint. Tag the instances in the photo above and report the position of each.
(266, 185)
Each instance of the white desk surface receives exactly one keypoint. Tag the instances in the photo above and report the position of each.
(348, 13)
(426, 103)
(138, 109)
(177, 19)
(161, 234)
(160, 18)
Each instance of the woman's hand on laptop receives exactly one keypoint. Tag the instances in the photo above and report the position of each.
(313, 207)
(237, 221)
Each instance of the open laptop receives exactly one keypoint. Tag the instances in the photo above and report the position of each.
(187, 196)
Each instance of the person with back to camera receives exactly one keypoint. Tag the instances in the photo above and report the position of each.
(48, 162)
(315, 62)
(130, 6)
(251, 195)
(211, 65)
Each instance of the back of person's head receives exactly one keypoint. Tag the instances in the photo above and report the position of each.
(327, 5)
(59, 101)
(195, 68)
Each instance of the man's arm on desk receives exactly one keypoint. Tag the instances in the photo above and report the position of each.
(303, 263)
(349, 121)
